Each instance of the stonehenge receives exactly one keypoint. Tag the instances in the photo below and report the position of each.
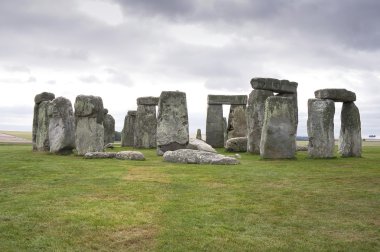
(320, 125)
(146, 122)
(215, 128)
(109, 128)
(172, 122)
(128, 132)
(61, 126)
(40, 133)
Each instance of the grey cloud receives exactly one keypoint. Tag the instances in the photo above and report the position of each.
(22, 69)
(118, 77)
(89, 79)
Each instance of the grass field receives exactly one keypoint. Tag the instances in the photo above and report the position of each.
(21, 134)
(66, 203)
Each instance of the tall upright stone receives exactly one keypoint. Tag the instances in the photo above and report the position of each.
(237, 122)
(172, 122)
(279, 129)
(146, 123)
(40, 134)
(255, 118)
(350, 139)
(215, 126)
(89, 130)
(61, 126)
(320, 128)
(109, 128)
(128, 132)
(199, 134)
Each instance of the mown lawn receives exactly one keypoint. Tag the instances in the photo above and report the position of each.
(66, 203)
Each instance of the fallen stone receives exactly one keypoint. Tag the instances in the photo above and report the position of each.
(61, 126)
(237, 144)
(172, 122)
(278, 139)
(227, 99)
(196, 144)
(130, 155)
(109, 146)
(198, 157)
(99, 155)
(149, 100)
(350, 139)
(320, 128)
(278, 86)
(335, 94)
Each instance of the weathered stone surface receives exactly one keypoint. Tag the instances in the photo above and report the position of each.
(278, 86)
(335, 94)
(89, 130)
(255, 118)
(302, 148)
(227, 99)
(196, 144)
(198, 157)
(42, 132)
(128, 132)
(89, 106)
(199, 134)
(145, 127)
(350, 139)
(130, 155)
(320, 128)
(148, 100)
(237, 144)
(279, 129)
(109, 146)
(225, 125)
(109, 129)
(172, 122)
(44, 96)
(61, 126)
(237, 122)
(99, 155)
(214, 126)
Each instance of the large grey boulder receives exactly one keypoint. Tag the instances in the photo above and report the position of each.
(45, 96)
(255, 118)
(215, 126)
(350, 139)
(109, 129)
(99, 155)
(172, 122)
(145, 127)
(278, 86)
(89, 130)
(130, 155)
(42, 131)
(128, 132)
(196, 144)
(198, 157)
(237, 122)
(320, 128)
(237, 144)
(335, 94)
(227, 99)
(61, 126)
(279, 129)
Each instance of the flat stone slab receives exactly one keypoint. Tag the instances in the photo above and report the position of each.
(335, 94)
(275, 85)
(196, 144)
(236, 144)
(227, 99)
(148, 100)
(132, 112)
(130, 155)
(198, 157)
(99, 155)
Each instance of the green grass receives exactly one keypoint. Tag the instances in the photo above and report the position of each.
(22, 134)
(66, 203)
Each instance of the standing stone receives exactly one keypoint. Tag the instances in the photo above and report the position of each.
(89, 130)
(128, 132)
(255, 118)
(199, 134)
(42, 133)
(350, 140)
(224, 131)
(320, 128)
(214, 126)
(145, 127)
(61, 126)
(109, 128)
(279, 129)
(237, 122)
(45, 96)
(172, 122)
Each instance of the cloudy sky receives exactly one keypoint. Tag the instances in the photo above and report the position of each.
(124, 49)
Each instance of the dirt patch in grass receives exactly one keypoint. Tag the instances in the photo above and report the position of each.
(146, 175)
(134, 239)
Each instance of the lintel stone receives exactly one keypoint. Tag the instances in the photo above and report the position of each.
(227, 99)
(275, 85)
(148, 100)
(335, 94)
